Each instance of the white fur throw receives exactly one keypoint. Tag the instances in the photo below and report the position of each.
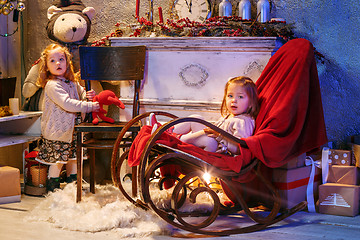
(108, 211)
(104, 211)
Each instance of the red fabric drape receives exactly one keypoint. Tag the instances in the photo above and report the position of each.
(290, 121)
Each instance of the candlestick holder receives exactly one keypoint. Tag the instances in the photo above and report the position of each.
(225, 8)
(263, 11)
(245, 9)
(151, 12)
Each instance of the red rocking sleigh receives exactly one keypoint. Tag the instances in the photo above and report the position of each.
(290, 123)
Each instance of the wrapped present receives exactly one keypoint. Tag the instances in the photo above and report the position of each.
(292, 184)
(355, 142)
(339, 199)
(295, 162)
(356, 154)
(10, 190)
(343, 175)
(340, 157)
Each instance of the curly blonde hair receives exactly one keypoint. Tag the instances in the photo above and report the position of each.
(250, 89)
(44, 73)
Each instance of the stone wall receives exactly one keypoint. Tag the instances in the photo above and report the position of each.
(332, 26)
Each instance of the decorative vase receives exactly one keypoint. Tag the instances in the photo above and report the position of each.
(225, 8)
(245, 9)
(263, 7)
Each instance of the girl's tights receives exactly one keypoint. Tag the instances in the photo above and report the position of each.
(192, 132)
(55, 169)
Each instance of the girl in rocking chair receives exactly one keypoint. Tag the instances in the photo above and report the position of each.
(239, 109)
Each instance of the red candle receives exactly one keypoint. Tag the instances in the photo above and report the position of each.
(137, 8)
(161, 15)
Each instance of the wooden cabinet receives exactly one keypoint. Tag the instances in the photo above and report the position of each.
(18, 130)
(187, 75)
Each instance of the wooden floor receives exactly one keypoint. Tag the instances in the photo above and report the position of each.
(301, 226)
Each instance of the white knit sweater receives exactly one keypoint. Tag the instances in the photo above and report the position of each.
(240, 126)
(62, 100)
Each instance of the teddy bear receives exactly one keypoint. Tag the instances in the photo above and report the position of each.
(69, 23)
(105, 97)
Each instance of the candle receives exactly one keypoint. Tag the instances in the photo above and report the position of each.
(137, 8)
(14, 105)
(161, 15)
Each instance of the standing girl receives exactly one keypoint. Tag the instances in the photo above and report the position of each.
(63, 99)
(239, 109)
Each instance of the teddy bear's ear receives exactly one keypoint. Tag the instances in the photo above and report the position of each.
(89, 11)
(52, 10)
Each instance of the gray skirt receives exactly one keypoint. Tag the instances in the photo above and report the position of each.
(51, 152)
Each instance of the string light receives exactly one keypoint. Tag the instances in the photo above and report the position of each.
(10, 34)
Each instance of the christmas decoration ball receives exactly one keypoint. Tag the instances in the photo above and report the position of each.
(2, 2)
(7, 8)
(5, 11)
(20, 7)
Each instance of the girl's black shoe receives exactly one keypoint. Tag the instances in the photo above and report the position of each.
(52, 184)
(71, 178)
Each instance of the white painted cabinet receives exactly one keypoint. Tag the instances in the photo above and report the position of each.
(187, 75)
(19, 129)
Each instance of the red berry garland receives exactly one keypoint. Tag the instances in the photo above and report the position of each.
(218, 26)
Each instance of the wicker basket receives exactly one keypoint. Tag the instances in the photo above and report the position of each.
(38, 175)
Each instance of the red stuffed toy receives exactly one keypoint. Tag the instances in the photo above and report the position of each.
(106, 97)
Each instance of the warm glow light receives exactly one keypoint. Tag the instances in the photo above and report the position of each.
(207, 177)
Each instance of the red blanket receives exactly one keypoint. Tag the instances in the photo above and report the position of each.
(290, 121)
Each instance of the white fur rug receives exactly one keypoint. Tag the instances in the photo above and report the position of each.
(104, 211)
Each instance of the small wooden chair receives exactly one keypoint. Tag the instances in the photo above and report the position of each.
(110, 64)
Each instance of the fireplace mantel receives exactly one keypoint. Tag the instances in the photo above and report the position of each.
(236, 44)
(187, 75)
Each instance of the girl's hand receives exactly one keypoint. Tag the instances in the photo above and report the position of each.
(211, 133)
(90, 94)
(96, 107)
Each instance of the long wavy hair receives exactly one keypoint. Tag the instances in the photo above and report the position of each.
(44, 73)
(250, 89)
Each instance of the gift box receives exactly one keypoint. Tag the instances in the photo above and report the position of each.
(292, 184)
(296, 162)
(10, 190)
(339, 199)
(356, 156)
(355, 142)
(340, 157)
(343, 174)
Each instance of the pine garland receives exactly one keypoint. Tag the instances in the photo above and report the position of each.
(213, 27)
(218, 26)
